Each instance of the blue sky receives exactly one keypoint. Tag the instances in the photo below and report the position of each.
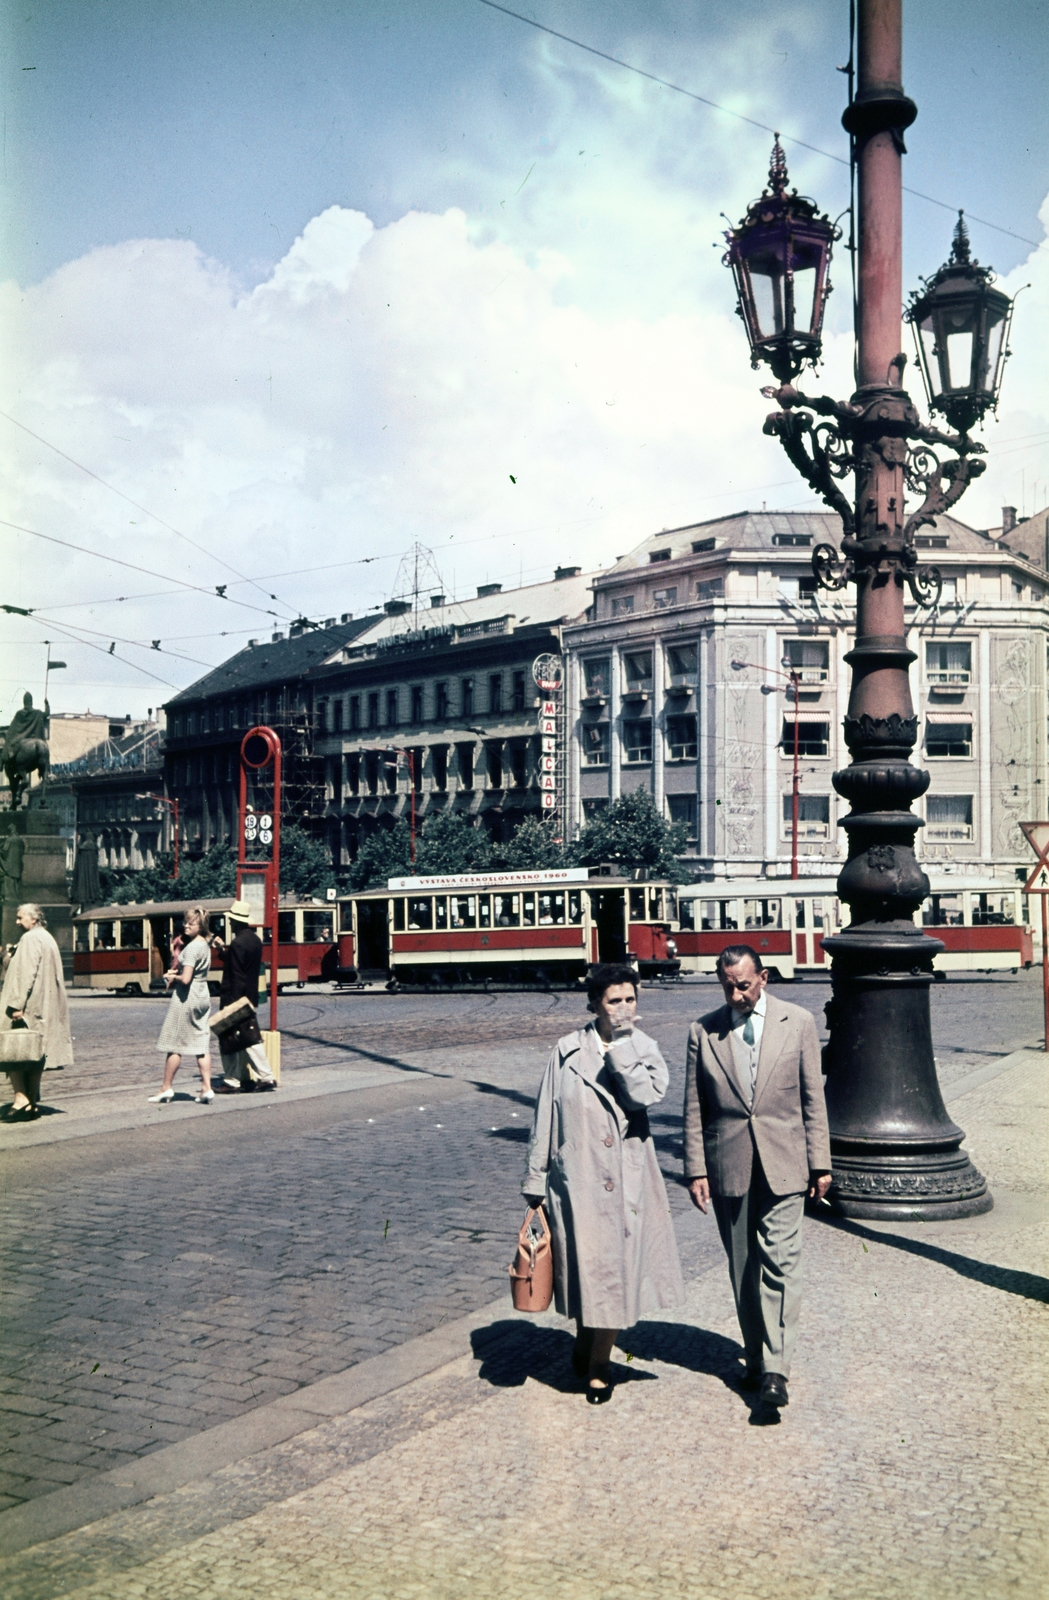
(314, 280)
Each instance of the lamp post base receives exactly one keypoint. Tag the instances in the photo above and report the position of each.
(884, 1186)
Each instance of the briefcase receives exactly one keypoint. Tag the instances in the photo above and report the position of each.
(21, 1047)
(237, 1026)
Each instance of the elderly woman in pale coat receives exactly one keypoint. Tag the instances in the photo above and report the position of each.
(592, 1162)
(34, 996)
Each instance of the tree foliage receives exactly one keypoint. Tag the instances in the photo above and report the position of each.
(451, 844)
(533, 848)
(305, 864)
(305, 870)
(632, 833)
(383, 854)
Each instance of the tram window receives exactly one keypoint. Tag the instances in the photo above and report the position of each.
(82, 935)
(943, 911)
(655, 905)
(346, 917)
(762, 914)
(484, 911)
(575, 907)
(131, 933)
(717, 916)
(687, 915)
(528, 910)
(637, 905)
(993, 909)
(464, 910)
(285, 927)
(506, 910)
(552, 910)
(398, 916)
(440, 911)
(670, 896)
(217, 923)
(817, 913)
(105, 936)
(799, 913)
(420, 915)
(316, 927)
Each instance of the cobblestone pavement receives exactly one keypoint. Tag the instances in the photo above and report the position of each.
(164, 1277)
(910, 1464)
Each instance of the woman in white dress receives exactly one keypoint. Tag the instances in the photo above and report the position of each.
(185, 1031)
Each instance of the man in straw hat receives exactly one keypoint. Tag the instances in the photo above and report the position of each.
(241, 965)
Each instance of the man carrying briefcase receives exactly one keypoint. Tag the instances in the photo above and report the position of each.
(244, 1062)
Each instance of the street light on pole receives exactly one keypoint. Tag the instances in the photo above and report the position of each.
(767, 688)
(895, 1151)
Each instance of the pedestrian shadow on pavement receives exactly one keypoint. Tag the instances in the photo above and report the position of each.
(512, 1351)
(1029, 1285)
(682, 1344)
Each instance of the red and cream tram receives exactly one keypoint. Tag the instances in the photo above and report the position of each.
(529, 928)
(983, 925)
(129, 947)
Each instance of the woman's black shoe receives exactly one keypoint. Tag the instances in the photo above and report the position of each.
(600, 1397)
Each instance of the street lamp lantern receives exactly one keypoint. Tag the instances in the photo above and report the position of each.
(961, 328)
(780, 255)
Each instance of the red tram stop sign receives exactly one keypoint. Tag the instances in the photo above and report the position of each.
(1037, 836)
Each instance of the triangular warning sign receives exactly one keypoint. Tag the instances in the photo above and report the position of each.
(1037, 836)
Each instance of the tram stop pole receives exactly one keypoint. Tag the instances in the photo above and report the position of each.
(1037, 836)
(258, 859)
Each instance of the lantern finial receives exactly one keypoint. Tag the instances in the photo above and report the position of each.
(778, 170)
(960, 248)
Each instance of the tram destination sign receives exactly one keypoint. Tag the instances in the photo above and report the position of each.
(490, 880)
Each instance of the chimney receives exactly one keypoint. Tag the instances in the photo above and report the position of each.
(396, 608)
(275, 638)
(347, 616)
(436, 601)
(485, 589)
(1008, 519)
(566, 572)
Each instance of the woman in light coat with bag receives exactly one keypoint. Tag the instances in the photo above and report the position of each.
(593, 1165)
(34, 997)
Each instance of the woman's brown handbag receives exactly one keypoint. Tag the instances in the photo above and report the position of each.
(532, 1269)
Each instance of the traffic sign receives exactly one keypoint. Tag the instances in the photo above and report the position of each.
(1037, 836)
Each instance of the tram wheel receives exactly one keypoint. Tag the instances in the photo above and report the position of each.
(393, 987)
(131, 988)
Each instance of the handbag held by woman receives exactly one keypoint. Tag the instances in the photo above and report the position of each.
(532, 1269)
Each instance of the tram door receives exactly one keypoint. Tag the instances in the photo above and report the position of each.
(373, 935)
(608, 908)
(160, 947)
(811, 922)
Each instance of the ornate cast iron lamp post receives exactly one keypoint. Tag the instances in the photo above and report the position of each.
(896, 1153)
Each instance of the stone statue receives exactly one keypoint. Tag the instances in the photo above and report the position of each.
(12, 855)
(86, 890)
(26, 749)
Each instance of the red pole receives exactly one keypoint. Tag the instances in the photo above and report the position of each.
(274, 885)
(794, 794)
(1045, 974)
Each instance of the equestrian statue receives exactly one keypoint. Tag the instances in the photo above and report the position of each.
(26, 749)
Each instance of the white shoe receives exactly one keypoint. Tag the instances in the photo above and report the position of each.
(205, 1097)
(162, 1098)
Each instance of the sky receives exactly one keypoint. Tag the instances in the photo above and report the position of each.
(287, 289)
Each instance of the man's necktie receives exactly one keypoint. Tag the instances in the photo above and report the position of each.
(748, 1032)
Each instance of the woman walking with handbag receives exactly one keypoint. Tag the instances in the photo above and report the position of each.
(185, 1031)
(34, 998)
(592, 1164)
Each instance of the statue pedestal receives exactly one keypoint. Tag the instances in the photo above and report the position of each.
(43, 879)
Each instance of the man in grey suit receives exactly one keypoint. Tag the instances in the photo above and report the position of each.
(756, 1142)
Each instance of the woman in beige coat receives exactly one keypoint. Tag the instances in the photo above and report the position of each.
(592, 1162)
(34, 996)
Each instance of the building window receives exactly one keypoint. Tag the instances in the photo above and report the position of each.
(638, 669)
(948, 663)
(353, 774)
(597, 678)
(373, 710)
(466, 766)
(949, 590)
(495, 692)
(710, 589)
(371, 771)
(417, 702)
(792, 538)
(954, 739)
(809, 658)
(681, 738)
(681, 663)
(622, 605)
(519, 764)
(797, 588)
(466, 697)
(949, 817)
(592, 807)
(682, 808)
(519, 691)
(495, 764)
(661, 598)
(392, 708)
(355, 713)
(637, 741)
(391, 768)
(337, 709)
(439, 759)
(659, 555)
(813, 738)
(596, 744)
(441, 703)
(813, 816)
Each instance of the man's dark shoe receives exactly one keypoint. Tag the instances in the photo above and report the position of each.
(774, 1390)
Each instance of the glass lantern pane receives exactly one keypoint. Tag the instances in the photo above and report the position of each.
(993, 349)
(932, 360)
(804, 297)
(766, 279)
(960, 358)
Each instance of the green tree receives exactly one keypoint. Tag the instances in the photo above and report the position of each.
(632, 833)
(383, 854)
(450, 844)
(211, 876)
(305, 864)
(532, 848)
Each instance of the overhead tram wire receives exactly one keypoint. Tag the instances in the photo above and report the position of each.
(138, 507)
(109, 655)
(752, 122)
